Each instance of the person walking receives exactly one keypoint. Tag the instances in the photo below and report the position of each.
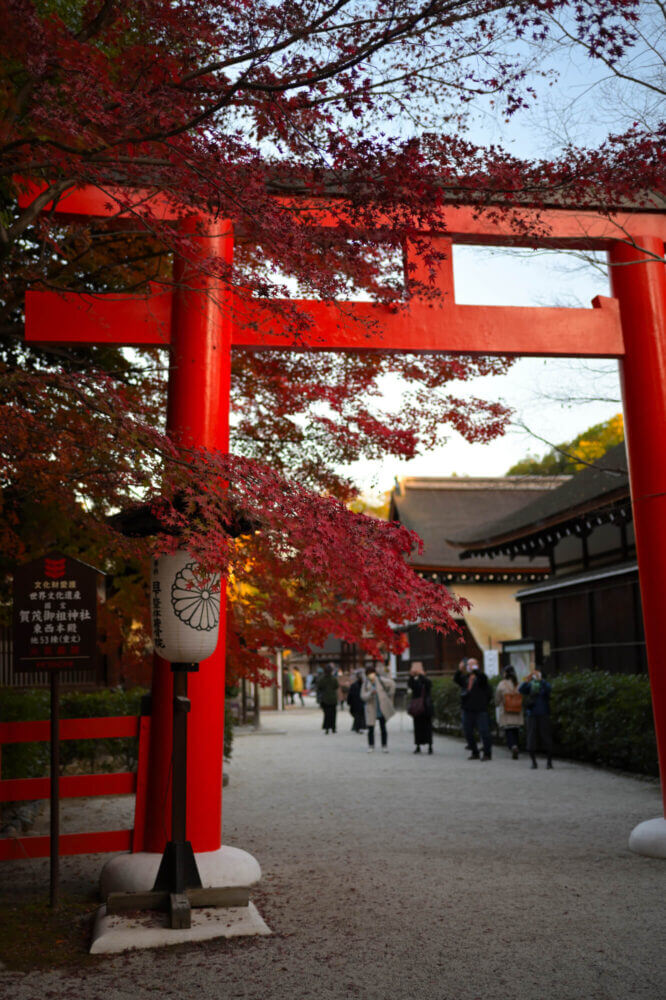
(344, 681)
(297, 684)
(377, 693)
(287, 690)
(319, 673)
(536, 692)
(420, 707)
(356, 703)
(327, 695)
(479, 693)
(509, 701)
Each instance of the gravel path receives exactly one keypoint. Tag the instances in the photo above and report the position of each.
(396, 876)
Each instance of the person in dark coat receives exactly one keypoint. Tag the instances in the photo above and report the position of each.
(327, 693)
(461, 678)
(536, 693)
(356, 703)
(421, 686)
(287, 689)
(479, 692)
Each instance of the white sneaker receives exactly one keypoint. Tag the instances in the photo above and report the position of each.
(370, 749)
(384, 749)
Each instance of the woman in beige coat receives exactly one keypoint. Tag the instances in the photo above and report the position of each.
(377, 693)
(508, 718)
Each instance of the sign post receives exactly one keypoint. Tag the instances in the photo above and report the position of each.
(54, 629)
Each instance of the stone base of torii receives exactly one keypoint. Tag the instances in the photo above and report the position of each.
(196, 321)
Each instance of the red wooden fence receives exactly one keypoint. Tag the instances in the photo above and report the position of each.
(78, 785)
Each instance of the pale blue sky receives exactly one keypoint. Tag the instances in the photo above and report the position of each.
(582, 106)
(533, 385)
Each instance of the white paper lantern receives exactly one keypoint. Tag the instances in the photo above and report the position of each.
(185, 608)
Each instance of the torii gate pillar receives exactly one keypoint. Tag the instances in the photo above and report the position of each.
(197, 416)
(638, 278)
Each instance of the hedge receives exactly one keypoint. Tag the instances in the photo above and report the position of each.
(605, 719)
(31, 760)
(598, 717)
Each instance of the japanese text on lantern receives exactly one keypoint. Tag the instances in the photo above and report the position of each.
(157, 613)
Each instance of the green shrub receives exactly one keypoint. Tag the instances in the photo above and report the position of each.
(446, 705)
(605, 719)
(31, 760)
(100, 755)
(94, 756)
(24, 760)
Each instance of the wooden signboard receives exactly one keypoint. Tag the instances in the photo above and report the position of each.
(55, 614)
(55, 628)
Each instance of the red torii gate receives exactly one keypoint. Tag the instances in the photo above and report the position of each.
(202, 322)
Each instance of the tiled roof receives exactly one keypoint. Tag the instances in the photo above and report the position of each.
(597, 486)
(438, 509)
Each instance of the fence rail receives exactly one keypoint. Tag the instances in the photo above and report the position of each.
(73, 786)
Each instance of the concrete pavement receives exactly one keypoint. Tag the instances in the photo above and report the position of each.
(399, 876)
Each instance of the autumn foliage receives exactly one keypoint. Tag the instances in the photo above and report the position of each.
(254, 111)
(572, 456)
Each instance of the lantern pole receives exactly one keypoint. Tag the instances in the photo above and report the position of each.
(178, 869)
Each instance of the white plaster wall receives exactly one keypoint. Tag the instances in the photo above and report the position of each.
(495, 612)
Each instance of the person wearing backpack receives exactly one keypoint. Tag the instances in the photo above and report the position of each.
(509, 701)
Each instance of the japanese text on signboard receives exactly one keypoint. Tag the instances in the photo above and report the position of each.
(55, 605)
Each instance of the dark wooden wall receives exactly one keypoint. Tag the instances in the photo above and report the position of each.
(592, 625)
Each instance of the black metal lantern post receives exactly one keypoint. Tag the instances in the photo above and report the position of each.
(178, 869)
(185, 617)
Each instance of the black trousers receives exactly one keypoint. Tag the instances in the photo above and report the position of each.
(382, 728)
(511, 734)
(359, 719)
(329, 717)
(539, 733)
(480, 721)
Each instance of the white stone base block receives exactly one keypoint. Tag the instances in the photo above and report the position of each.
(228, 867)
(122, 932)
(649, 838)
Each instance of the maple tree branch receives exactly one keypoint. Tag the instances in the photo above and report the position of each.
(97, 24)
(406, 28)
(594, 53)
(52, 193)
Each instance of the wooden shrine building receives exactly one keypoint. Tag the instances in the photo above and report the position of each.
(439, 508)
(587, 611)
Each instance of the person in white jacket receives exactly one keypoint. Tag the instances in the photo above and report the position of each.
(377, 693)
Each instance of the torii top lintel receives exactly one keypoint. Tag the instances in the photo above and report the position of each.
(410, 326)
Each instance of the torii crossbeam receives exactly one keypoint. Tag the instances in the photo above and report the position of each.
(202, 323)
